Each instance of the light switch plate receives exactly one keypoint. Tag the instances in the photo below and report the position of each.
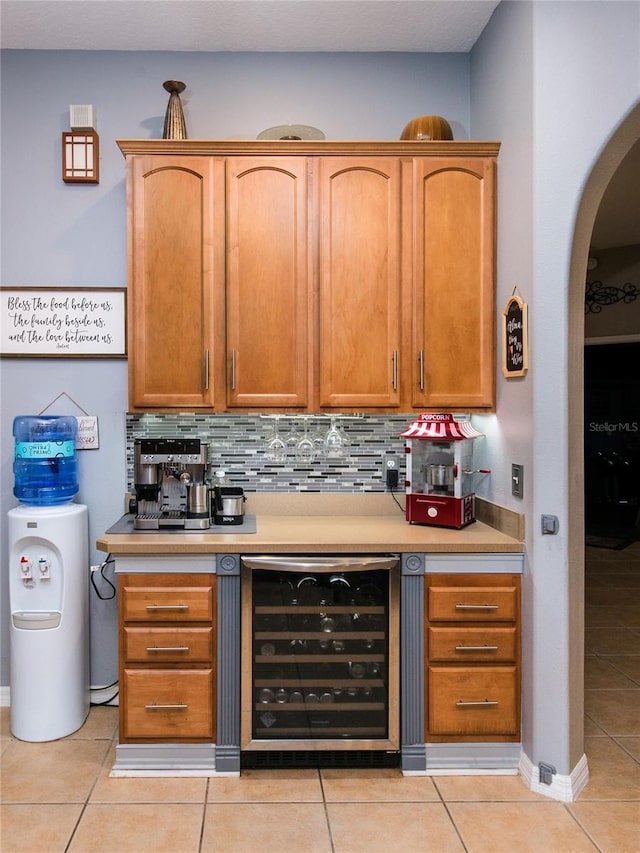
(517, 480)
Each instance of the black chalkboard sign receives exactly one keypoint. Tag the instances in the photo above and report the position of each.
(514, 338)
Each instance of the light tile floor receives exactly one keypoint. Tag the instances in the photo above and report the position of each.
(58, 796)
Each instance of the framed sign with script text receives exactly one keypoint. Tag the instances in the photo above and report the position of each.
(74, 322)
(515, 355)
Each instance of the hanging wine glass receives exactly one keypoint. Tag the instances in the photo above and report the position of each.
(292, 438)
(333, 444)
(346, 441)
(317, 436)
(305, 451)
(276, 449)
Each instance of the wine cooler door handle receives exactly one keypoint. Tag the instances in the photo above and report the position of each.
(310, 564)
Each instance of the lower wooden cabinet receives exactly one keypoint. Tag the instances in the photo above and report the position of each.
(478, 700)
(472, 649)
(167, 658)
(167, 704)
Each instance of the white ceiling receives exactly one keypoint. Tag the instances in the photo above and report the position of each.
(424, 26)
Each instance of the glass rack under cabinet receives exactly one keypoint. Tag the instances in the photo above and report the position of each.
(320, 656)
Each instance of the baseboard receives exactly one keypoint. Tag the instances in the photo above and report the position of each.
(165, 759)
(442, 758)
(563, 788)
(4, 697)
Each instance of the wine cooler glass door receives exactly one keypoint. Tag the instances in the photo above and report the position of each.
(320, 669)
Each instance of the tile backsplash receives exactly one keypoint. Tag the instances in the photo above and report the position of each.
(237, 445)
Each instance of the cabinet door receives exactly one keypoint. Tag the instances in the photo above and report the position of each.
(360, 277)
(467, 700)
(268, 292)
(170, 294)
(453, 358)
(174, 705)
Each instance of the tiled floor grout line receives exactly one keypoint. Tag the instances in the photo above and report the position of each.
(325, 806)
(581, 826)
(203, 821)
(445, 805)
(89, 793)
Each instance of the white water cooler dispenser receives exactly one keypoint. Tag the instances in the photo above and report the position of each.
(48, 583)
(48, 589)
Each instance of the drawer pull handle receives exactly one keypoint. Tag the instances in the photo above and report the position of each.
(178, 707)
(477, 606)
(476, 648)
(486, 703)
(167, 648)
(167, 606)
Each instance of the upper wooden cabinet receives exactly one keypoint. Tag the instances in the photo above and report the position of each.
(268, 283)
(311, 276)
(453, 304)
(360, 282)
(170, 292)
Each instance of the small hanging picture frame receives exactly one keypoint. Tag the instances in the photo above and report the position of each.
(515, 347)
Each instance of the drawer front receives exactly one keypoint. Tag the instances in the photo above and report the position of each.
(474, 645)
(167, 604)
(174, 704)
(472, 604)
(168, 645)
(472, 700)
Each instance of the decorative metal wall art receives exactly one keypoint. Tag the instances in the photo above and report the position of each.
(597, 295)
(175, 126)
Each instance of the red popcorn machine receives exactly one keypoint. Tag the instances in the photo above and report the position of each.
(439, 478)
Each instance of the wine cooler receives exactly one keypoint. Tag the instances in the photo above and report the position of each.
(320, 649)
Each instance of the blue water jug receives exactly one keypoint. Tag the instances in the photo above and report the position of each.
(44, 465)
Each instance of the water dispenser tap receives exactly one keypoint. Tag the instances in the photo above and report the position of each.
(45, 568)
(26, 571)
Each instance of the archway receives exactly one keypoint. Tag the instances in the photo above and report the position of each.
(614, 150)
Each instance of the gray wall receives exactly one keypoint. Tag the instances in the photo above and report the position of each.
(65, 235)
(541, 85)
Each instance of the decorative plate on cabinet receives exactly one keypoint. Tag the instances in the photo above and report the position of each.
(291, 131)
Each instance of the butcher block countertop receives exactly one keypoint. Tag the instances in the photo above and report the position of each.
(337, 523)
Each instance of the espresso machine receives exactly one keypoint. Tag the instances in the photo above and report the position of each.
(439, 482)
(170, 487)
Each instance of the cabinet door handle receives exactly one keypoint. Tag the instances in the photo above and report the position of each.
(178, 707)
(394, 372)
(421, 369)
(477, 606)
(462, 648)
(233, 370)
(167, 648)
(486, 703)
(206, 370)
(152, 607)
